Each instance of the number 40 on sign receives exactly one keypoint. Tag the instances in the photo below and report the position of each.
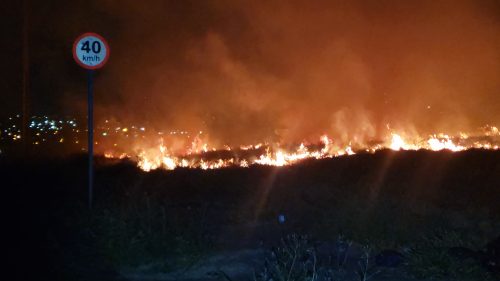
(91, 51)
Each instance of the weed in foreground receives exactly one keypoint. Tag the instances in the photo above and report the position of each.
(365, 272)
(296, 260)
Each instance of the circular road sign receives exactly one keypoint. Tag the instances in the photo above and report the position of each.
(91, 51)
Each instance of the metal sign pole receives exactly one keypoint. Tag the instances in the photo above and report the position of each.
(90, 128)
(90, 51)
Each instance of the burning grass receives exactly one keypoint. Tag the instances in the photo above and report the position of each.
(201, 155)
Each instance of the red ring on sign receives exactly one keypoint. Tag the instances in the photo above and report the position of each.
(99, 65)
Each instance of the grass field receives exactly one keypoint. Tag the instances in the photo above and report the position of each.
(426, 202)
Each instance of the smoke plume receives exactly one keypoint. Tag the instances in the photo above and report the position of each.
(249, 71)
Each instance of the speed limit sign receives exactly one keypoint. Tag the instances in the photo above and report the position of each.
(91, 51)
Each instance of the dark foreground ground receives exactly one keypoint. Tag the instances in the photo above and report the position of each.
(401, 215)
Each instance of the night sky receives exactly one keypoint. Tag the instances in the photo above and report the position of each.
(257, 70)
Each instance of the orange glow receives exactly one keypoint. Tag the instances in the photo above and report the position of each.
(197, 154)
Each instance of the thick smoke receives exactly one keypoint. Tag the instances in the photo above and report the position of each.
(249, 71)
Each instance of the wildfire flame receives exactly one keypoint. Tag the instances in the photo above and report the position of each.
(276, 155)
